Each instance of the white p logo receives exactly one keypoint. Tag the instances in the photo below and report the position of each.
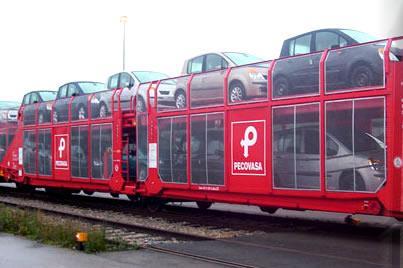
(62, 146)
(246, 142)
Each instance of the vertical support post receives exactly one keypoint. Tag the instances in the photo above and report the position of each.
(322, 122)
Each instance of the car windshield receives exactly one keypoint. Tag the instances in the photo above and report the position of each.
(359, 37)
(91, 87)
(48, 95)
(242, 58)
(8, 104)
(145, 77)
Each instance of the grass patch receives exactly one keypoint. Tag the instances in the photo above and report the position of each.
(55, 231)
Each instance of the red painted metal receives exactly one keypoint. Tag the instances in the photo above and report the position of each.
(237, 188)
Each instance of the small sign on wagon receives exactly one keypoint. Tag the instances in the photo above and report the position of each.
(61, 151)
(248, 148)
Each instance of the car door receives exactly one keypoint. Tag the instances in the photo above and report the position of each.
(304, 70)
(284, 159)
(328, 40)
(126, 82)
(308, 159)
(195, 66)
(212, 82)
(60, 107)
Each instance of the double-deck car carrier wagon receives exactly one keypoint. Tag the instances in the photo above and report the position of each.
(324, 132)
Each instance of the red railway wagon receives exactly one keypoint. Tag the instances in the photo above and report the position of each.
(324, 133)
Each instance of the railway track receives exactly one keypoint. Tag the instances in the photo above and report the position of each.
(177, 224)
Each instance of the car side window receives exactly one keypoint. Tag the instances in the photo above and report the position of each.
(34, 98)
(196, 65)
(26, 99)
(215, 62)
(303, 45)
(328, 40)
(113, 81)
(291, 46)
(62, 92)
(73, 90)
(125, 81)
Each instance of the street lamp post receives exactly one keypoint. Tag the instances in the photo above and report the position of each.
(123, 19)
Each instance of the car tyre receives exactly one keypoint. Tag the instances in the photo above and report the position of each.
(180, 99)
(361, 76)
(236, 92)
(281, 87)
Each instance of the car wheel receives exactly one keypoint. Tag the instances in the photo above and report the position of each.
(41, 118)
(81, 113)
(55, 116)
(203, 205)
(236, 92)
(180, 99)
(103, 111)
(281, 87)
(361, 76)
(346, 182)
(140, 105)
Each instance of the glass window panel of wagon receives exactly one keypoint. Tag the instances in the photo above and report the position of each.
(44, 153)
(61, 110)
(141, 98)
(284, 147)
(307, 139)
(179, 150)
(29, 114)
(101, 145)
(296, 76)
(355, 68)
(142, 147)
(207, 89)
(396, 50)
(44, 113)
(29, 152)
(106, 150)
(164, 149)
(339, 146)
(101, 104)
(171, 94)
(248, 83)
(215, 149)
(369, 144)
(79, 152)
(198, 149)
(79, 108)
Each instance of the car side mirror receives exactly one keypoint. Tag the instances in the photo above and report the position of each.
(335, 46)
(75, 94)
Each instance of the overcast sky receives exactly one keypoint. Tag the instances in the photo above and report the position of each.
(45, 44)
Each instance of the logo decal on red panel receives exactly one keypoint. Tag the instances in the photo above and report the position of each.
(248, 147)
(61, 151)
